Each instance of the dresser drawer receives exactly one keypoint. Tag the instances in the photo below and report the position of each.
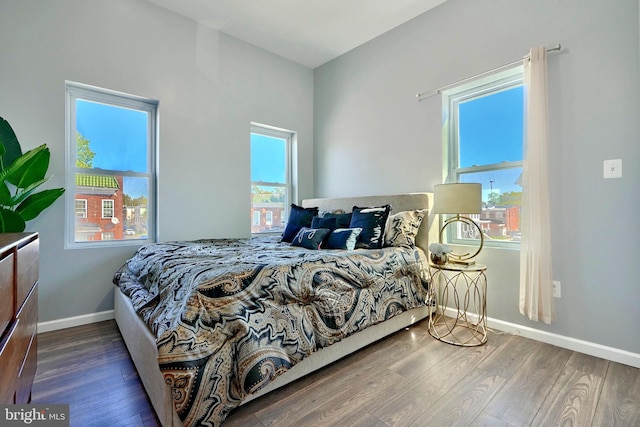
(27, 324)
(27, 373)
(28, 268)
(6, 290)
(10, 360)
(19, 269)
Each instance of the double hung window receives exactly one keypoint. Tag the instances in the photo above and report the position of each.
(271, 178)
(111, 167)
(484, 134)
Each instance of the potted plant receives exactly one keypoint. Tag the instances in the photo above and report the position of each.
(20, 176)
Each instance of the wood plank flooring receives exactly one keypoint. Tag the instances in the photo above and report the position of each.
(407, 379)
(88, 367)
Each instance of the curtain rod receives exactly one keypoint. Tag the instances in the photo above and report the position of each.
(429, 93)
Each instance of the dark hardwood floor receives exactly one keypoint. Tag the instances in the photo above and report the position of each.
(88, 367)
(408, 379)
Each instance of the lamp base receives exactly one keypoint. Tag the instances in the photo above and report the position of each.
(467, 258)
(462, 261)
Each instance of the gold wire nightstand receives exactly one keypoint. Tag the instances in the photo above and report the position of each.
(460, 296)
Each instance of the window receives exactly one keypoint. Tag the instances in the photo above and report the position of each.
(81, 208)
(111, 167)
(484, 134)
(107, 209)
(271, 182)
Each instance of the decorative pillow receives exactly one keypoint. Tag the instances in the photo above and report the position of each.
(310, 238)
(342, 219)
(373, 221)
(319, 222)
(343, 238)
(402, 228)
(298, 217)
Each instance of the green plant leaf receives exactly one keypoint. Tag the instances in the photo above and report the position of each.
(12, 171)
(25, 172)
(10, 147)
(21, 195)
(37, 202)
(11, 222)
(5, 194)
(30, 167)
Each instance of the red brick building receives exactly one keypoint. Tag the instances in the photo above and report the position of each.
(501, 221)
(267, 217)
(99, 208)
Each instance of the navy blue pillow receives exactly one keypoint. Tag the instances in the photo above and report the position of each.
(310, 238)
(373, 221)
(343, 238)
(320, 222)
(298, 217)
(342, 219)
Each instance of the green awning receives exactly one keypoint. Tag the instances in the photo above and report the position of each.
(97, 181)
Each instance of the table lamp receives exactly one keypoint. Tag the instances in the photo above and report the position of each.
(458, 199)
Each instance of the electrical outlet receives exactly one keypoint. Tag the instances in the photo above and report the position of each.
(612, 169)
(556, 289)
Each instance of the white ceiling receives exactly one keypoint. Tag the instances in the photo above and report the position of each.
(310, 32)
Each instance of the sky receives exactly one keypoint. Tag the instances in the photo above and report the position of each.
(267, 158)
(118, 137)
(487, 128)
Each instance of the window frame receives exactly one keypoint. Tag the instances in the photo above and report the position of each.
(451, 99)
(290, 138)
(106, 208)
(83, 210)
(78, 91)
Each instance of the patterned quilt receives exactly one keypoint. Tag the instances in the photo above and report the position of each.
(230, 315)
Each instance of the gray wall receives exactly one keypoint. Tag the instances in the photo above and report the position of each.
(210, 87)
(372, 136)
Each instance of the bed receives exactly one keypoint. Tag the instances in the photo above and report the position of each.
(304, 314)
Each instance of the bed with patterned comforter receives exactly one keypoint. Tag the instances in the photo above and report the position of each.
(230, 315)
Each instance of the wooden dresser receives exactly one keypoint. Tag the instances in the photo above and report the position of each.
(19, 269)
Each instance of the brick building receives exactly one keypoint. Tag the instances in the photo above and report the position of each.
(99, 208)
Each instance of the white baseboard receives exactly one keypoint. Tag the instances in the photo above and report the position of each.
(69, 322)
(586, 347)
(581, 346)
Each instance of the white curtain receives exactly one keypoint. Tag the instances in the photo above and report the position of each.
(536, 279)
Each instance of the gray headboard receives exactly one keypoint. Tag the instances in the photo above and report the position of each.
(398, 202)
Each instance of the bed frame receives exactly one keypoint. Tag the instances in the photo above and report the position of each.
(142, 345)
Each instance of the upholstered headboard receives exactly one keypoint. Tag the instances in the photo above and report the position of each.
(398, 202)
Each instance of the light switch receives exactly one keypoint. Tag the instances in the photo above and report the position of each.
(612, 169)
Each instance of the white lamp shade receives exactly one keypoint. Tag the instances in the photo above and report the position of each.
(458, 198)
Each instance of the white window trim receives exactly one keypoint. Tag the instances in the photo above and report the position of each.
(75, 91)
(83, 210)
(105, 208)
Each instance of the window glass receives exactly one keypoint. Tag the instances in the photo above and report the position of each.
(81, 208)
(485, 145)
(111, 140)
(270, 178)
(107, 208)
(490, 128)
